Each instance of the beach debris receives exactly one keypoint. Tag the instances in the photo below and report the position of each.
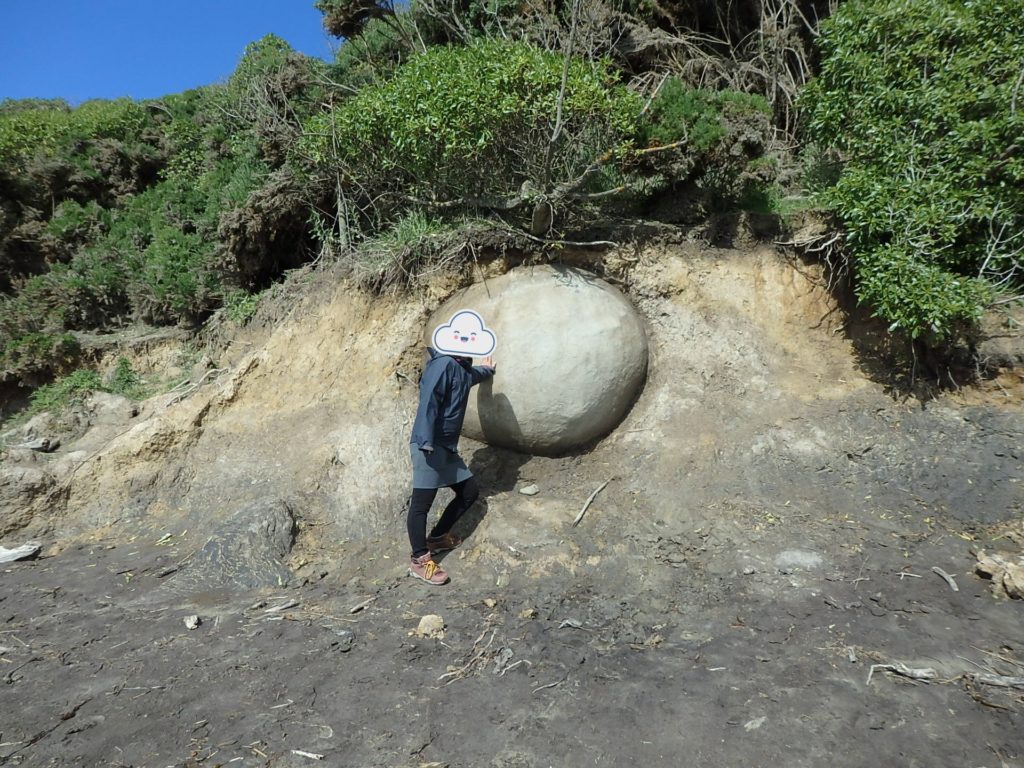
(948, 578)
(530, 490)
(549, 685)
(434, 764)
(914, 673)
(193, 621)
(528, 613)
(757, 722)
(346, 639)
(362, 605)
(572, 623)
(478, 657)
(1000, 681)
(490, 602)
(288, 603)
(42, 444)
(589, 501)
(1005, 570)
(24, 552)
(310, 755)
(431, 626)
(502, 659)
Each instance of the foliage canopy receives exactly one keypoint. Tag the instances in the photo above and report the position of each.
(922, 102)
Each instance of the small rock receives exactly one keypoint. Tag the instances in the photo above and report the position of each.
(431, 626)
(43, 444)
(794, 559)
(528, 613)
(1005, 570)
(346, 639)
(529, 490)
(753, 725)
(25, 551)
(749, 570)
(490, 602)
(193, 621)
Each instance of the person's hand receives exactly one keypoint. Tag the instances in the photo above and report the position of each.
(488, 362)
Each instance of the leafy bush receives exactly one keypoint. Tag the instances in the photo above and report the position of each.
(123, 380)
(48, 128)
(70, 389)
(917, 99)
(239, 306)
(35, 357)
(722, 137)
(472, 122)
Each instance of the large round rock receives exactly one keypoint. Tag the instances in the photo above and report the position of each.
(571, 358)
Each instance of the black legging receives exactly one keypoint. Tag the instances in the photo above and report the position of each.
(466, 493)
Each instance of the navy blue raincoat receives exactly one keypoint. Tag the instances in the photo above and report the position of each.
(444, 394)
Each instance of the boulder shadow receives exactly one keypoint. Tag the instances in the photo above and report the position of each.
(496, 469)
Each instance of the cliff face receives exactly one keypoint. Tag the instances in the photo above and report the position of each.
(750, 383)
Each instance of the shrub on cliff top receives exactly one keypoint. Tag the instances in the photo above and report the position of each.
(923, 102)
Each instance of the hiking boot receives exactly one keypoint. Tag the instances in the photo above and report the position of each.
(442, 543)
(425, 569)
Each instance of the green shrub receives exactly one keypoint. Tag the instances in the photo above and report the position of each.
(73, 222)
(35, 357)
(698, 117)
(239, 306)
(916, 97)
(70, 389)
(124, 380)
(722, 136)
(473, 121)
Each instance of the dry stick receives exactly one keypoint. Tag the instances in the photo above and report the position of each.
(364, 604)
(1002, 681)
(559, 106)
(459, 673)
(549, 685)
(589, 500)
(947, 577)
(914, 673)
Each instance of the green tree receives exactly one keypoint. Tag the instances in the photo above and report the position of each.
(922, 102)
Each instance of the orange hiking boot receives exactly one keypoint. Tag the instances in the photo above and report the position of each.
(442, 543)
(425, 569)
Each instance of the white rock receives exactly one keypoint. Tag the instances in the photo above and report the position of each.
(19, 553)
(193, 621)
(571, 359)
(431, 626)
(529, 490)
(792, 559)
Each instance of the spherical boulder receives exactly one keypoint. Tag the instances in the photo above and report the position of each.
(571, 357)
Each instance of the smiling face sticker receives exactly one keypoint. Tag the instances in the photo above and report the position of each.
(464, 334)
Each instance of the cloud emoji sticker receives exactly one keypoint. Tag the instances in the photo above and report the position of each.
(464, 334)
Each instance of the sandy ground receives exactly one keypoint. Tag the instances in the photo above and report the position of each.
(739, 632)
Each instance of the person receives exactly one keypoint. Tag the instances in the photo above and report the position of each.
(444, 394)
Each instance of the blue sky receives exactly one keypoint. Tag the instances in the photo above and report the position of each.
(84, 49)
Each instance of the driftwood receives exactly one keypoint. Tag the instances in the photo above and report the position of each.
(1000, 681)
(947, 577)
(914, 673)
(588, 502)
